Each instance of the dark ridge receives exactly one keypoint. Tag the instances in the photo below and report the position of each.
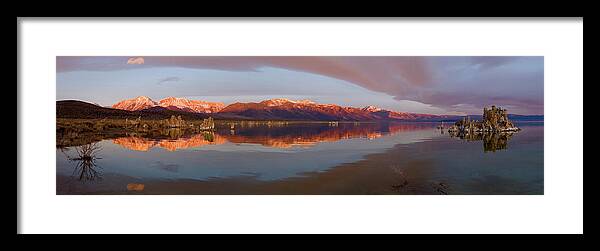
(75, 109)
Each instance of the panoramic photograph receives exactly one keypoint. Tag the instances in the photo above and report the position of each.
(300, 125)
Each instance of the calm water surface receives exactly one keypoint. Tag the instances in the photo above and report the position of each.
(311, 158)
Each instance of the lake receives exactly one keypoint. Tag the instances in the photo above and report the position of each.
(309, 158)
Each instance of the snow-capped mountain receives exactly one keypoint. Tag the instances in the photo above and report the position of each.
(171, 103)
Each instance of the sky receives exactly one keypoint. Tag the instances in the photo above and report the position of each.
(428, 84)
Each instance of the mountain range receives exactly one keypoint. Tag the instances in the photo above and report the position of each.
(170, 103)
(275, 109)
(272, 109)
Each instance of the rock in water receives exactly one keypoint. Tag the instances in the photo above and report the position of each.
(495, 119)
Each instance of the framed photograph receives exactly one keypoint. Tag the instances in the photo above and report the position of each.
(308, 125)
(238, 126)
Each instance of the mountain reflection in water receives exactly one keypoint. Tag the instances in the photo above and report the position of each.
(275, 137)
(144, 144)
(306, 158)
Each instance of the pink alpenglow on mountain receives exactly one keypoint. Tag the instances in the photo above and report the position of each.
(135, 104)
(371, 108)
(283, 101)
(279, 108)
(171, 103)
(191, 105)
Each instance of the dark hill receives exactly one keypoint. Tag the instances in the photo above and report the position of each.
(82, 110)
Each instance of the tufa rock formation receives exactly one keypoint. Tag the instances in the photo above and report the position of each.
(178, 122)
(495, 130)
(207, 124)
(494, 120)
(175, 122)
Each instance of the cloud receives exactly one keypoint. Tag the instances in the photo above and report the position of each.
(135, 60)
(447, 83)
(385, 74)
(168, 80)
(490, 62)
